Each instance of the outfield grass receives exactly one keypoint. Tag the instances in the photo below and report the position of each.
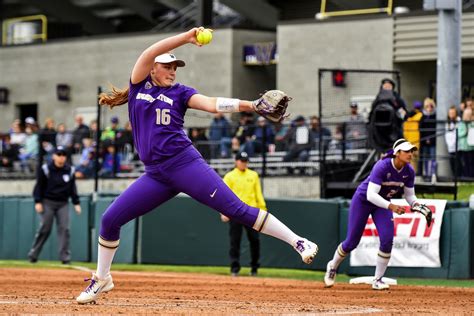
(464, 192)
(263, 272)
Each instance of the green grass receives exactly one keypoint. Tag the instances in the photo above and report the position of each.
(263, 272)
(464, 192)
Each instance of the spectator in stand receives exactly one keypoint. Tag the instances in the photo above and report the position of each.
(111, 161)
(428, 139)
(466, 143)
(450, 137)
(280, 132)
(47, 138)
(93, 130)
(80, 132)
(469, 103)
(30, 151)
(243, 132)
(17, 137)
(299, 142)
(316, 131)
(219, 134)
(9, 154)
(356, 130)
(200, 141)
(257, 144)
(64, 139)
(411, 132)
(86, 167)
(124, 137)
(336, 142)
(31, 122)
(110, 131)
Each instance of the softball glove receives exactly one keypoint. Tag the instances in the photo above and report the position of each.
(424, 210)
(272, 105)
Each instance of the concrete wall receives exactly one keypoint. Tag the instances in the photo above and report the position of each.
(274, 187)
(32, 72)
(304, 48)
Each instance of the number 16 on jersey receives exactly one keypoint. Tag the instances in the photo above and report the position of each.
(163, 117)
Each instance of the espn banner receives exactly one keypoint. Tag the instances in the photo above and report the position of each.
(414, 245)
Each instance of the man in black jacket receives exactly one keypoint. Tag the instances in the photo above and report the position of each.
(55, 183)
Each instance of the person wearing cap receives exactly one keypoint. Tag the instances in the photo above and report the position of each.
(55, 184)
(391, 176)
(356, 130)
(110, 131)
(157, 107)
(411, 130)
(245, 183)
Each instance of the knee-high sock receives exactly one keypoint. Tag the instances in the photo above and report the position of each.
(382, 263)
(339, 256)
(270, 225)
(105, 256)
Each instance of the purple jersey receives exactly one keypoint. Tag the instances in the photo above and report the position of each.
(157, 118)
(391, 180)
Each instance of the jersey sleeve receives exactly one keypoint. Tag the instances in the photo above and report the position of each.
(188, 92)
(376, 176)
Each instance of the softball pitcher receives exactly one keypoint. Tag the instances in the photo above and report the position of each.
(156, 106)
(389, 176)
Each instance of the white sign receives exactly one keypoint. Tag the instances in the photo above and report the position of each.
(414, 245)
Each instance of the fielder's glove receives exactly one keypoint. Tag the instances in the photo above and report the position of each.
(424, 210)
(272, 105)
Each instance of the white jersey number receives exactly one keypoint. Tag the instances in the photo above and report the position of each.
(163, 117)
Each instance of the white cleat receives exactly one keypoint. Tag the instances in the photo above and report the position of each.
(306, 249)
(96, 287)
(330, 276)
(379, 285)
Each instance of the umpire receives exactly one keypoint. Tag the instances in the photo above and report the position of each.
(55, 183)
(245, 183)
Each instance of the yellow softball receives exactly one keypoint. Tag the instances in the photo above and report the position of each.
(204, 37)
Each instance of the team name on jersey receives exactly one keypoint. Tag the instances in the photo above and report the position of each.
(149, 98)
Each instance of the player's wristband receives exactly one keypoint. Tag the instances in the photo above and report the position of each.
(227, 105)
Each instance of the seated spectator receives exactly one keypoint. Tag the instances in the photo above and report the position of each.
(31, 122)
(317, 131)
(64, 139)
(86, 166)
(299, 142)
(17, 137)
(111, 161)
(110, 131)
(256, 143)
(356, 129)
(81, 131)
(200, 141)
(124, 136)
(243, 132)
(47, 139)
(280, 131)
(219, 134)
(30, 150)
(9, 154)
(93, 130)
(337, 139)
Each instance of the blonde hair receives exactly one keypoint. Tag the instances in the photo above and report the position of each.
(114, 97)
(428, 101)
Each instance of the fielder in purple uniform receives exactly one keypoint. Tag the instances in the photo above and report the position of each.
(390, 175)
(156, 106)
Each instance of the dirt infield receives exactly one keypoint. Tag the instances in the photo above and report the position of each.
(36, 291)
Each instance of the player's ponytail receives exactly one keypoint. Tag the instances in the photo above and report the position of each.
(114, 97)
